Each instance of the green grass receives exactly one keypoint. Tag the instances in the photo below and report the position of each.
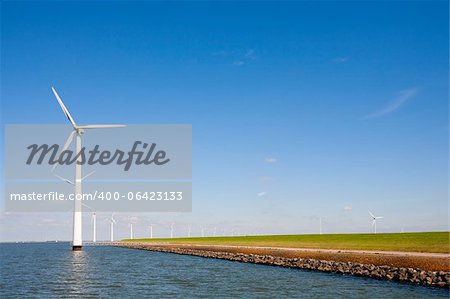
(437, 242)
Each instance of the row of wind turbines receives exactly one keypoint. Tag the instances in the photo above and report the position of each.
(112, 222)
(77, 237)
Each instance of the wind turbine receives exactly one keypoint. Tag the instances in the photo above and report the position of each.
(171, 231)
(94, 230)
(151, 231)
(78, 130)
(189, 231)
(374, 222)
(112, 221)
(131, 230)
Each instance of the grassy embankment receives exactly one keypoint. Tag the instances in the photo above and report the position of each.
(437, 242)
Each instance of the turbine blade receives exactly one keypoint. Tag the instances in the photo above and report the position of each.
(371, 214)
(64, 108)
(83, 204)
(65, 147)
(100, 126)
(379, 217)
(88, 175)
(63, 179)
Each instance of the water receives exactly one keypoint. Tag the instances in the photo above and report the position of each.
(53, 270)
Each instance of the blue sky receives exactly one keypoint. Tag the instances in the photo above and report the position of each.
(299, 110)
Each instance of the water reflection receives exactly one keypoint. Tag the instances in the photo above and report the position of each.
(78, 272)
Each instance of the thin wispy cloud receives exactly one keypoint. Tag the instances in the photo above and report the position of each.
(340, 59)
(237, 57)
(399, 101)
(348, 208)
(270, 160)
(261, 194)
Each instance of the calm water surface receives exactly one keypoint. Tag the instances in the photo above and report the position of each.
(53, 270)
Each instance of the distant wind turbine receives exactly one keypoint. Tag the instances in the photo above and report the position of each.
(77, 236)
(131, 230)
(374, 222)
(189, 231)
(94, 229)
(131, 221)
(112, 226)
(171, 230)
(151, 231)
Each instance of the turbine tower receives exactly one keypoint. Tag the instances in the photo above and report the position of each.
(112, 226)
(77, 236)
(374, 222)
(151, 231)
(94, 230)
(131, 230)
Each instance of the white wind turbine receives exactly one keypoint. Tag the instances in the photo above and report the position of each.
(94, 229)
(189, 231)
(112, 221)
(131, 221)
(171, 231)
(151, 230)
(374, 222)
(78, 130)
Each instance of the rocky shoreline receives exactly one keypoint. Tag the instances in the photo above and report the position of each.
(416, 276)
